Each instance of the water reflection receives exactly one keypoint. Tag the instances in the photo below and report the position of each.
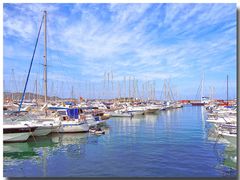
(34, 148)
(203, 117)
(130, 126)
(26, 150)
(170, 119)
(151, 119)
(225, 152)
(167, 144)
(69, 138)
(230, 157)
(227, 159)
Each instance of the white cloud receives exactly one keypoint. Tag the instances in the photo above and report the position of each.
(148, 41)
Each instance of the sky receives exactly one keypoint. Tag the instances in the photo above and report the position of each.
(87, 44)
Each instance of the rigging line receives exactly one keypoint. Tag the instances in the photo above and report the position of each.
(29, 71)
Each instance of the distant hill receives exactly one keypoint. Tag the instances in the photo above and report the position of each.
(28, 96)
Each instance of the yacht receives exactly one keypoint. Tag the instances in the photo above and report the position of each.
(71, 122)
(151, 108)
(136, 110)
(121, 113)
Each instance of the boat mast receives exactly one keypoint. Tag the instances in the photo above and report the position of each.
(129, 88)
(104, 84)
(202, 88)
(154, 90)
(45, 56)
(133, 86)
(72, 93)
(137, 90)
(108, 84)
(142, 90)
(125, 88)
(119, 91)
(36, 91)
(112, 84)
(227, 90)
(12, 85)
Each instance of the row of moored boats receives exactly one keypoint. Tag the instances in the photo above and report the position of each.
(224, 120)
(33, 121)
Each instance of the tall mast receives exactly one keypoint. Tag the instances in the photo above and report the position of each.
(142, 90)
(137, 91)
(104, 84)
(202, 88)
(72, 93)
(125, 87)
(129, 88)
(133, 86)
(93, 89)
(36, 91)
(164, 91)
(108, 84)
(155, 93)
(112, 79)
(12, 84)
(45, 56)
(148, 89)
(119, 91)
(227, 90)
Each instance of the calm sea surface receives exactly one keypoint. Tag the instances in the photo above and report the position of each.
(171, 143)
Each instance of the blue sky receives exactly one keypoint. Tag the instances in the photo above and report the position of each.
(149, 42)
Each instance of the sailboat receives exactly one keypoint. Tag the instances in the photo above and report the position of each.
(22, 125)
(65, 125)
(203, 100)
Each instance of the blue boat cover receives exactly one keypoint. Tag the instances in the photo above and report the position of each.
(73, 113)
(96, 118)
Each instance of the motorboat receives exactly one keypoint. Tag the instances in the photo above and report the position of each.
(136, 110)
(120, 113)
(151, 109)
(70, 121)
(96, 131)
(222, 120)
(70, 126)
(91, 120)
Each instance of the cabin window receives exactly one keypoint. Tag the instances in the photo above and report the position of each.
(65, 118)
(62, 113)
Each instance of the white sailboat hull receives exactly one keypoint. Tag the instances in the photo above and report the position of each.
(42, 131)
(16, 137)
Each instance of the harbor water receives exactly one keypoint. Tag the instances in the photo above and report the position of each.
(170, 143)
